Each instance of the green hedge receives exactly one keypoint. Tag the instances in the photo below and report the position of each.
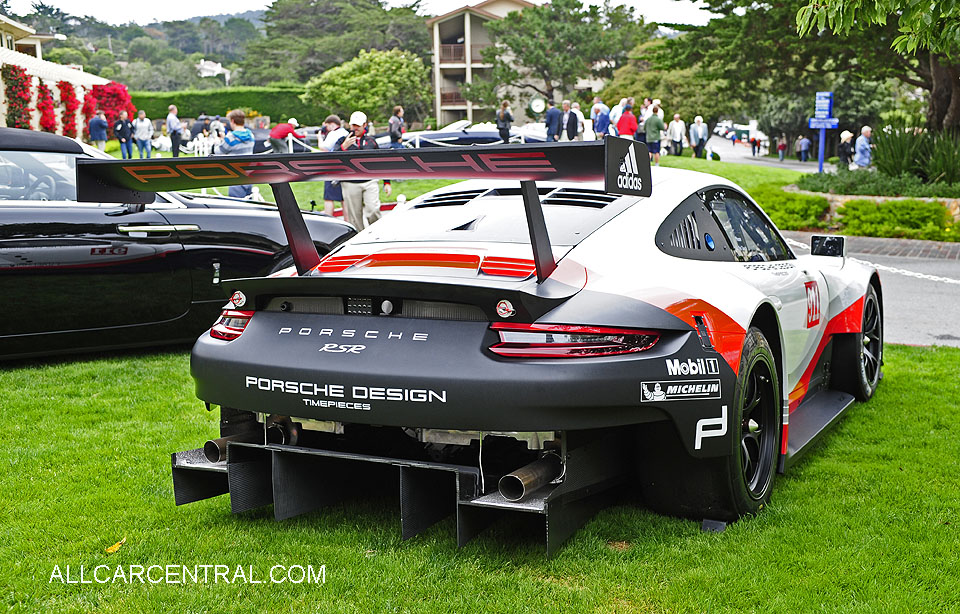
(909, 219)
(789, 210)
(875, 184)
(279, 103)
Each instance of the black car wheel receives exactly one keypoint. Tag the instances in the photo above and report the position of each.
(731, 486)
(859, 356)
(758, 418)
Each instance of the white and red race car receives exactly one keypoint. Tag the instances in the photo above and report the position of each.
(561, 323)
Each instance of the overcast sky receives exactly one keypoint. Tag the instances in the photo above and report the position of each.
(663, 11)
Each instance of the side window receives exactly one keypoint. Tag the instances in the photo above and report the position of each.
(690, 231)
(751, 237)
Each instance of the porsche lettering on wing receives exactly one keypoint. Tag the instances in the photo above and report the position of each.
(470, 164)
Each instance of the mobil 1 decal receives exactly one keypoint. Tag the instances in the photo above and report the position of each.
(626, 167)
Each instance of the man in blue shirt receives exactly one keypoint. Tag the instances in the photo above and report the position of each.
(239, 141)
(552, 120)
(600, 114)
(173, 129)
(805, 144)
(863, 150)
(98, 130)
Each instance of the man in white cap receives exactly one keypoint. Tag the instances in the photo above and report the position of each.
(280, 132)
(361, 199)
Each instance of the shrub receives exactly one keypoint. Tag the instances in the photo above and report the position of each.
(943, 159)
(48, 114)
(111, 99)
(900, 151)
(909, 219)
(68, 98)
(16, 84)
(279, 102)
(876, 184)
(833, 160)
(791, 211)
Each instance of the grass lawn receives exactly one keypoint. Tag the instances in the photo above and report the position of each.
(747, 176)
(868, 522)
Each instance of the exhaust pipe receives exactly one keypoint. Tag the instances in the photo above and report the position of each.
(280, 429)
(518, 484)
(216, 449)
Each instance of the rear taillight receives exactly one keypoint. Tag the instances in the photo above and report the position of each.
(568, 340)
(231, 324)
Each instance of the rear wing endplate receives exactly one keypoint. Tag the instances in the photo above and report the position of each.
(623, 165)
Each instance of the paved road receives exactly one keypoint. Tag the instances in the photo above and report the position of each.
(741, 154)
(918, 310)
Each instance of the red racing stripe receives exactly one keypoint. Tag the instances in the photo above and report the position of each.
(850, 320)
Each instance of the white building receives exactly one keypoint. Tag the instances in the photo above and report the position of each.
(209, 68)
(458, 38)
(21, 45)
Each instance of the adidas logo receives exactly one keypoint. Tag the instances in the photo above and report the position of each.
(629, 176)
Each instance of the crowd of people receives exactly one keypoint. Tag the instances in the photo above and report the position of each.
(360, 199)
(646, 123)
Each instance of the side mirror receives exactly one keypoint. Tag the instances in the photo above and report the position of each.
(828, 245)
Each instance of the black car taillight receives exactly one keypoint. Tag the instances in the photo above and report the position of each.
(568, 340)
(231, 324)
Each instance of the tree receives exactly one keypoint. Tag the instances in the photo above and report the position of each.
(934, 26)
(685, 91)
(182, 35)
(306, 37)
(548, 48)
(237, 33)
(930, 30)
(373, 82)
(756, 47)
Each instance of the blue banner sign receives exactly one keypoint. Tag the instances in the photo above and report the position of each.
(828, 123)
(824, 105)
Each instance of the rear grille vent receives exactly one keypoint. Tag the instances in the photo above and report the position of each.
(580, 198)
(449, 199)
(686, 235)
(369, 306)
(325, 305)
(432, 310)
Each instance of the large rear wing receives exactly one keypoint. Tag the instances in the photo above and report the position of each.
(623, 165)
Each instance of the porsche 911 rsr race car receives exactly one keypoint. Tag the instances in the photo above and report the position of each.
(561, 323)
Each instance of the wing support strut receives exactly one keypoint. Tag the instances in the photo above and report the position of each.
(304, 252)
(537, 225)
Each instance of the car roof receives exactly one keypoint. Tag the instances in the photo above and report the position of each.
(18, 139)
(473, 210)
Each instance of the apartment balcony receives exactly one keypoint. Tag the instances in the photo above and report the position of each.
(451, 96)
(456, 54)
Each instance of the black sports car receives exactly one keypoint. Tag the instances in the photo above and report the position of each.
(76, 276)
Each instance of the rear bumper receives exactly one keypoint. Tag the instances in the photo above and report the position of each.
(439, 374)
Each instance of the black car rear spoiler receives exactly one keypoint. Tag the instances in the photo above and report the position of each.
(623, 164)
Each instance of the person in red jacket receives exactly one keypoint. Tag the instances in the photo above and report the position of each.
(278, 136)
(627, 124)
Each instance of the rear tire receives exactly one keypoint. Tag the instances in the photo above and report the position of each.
(860, 355)
(728, 487)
